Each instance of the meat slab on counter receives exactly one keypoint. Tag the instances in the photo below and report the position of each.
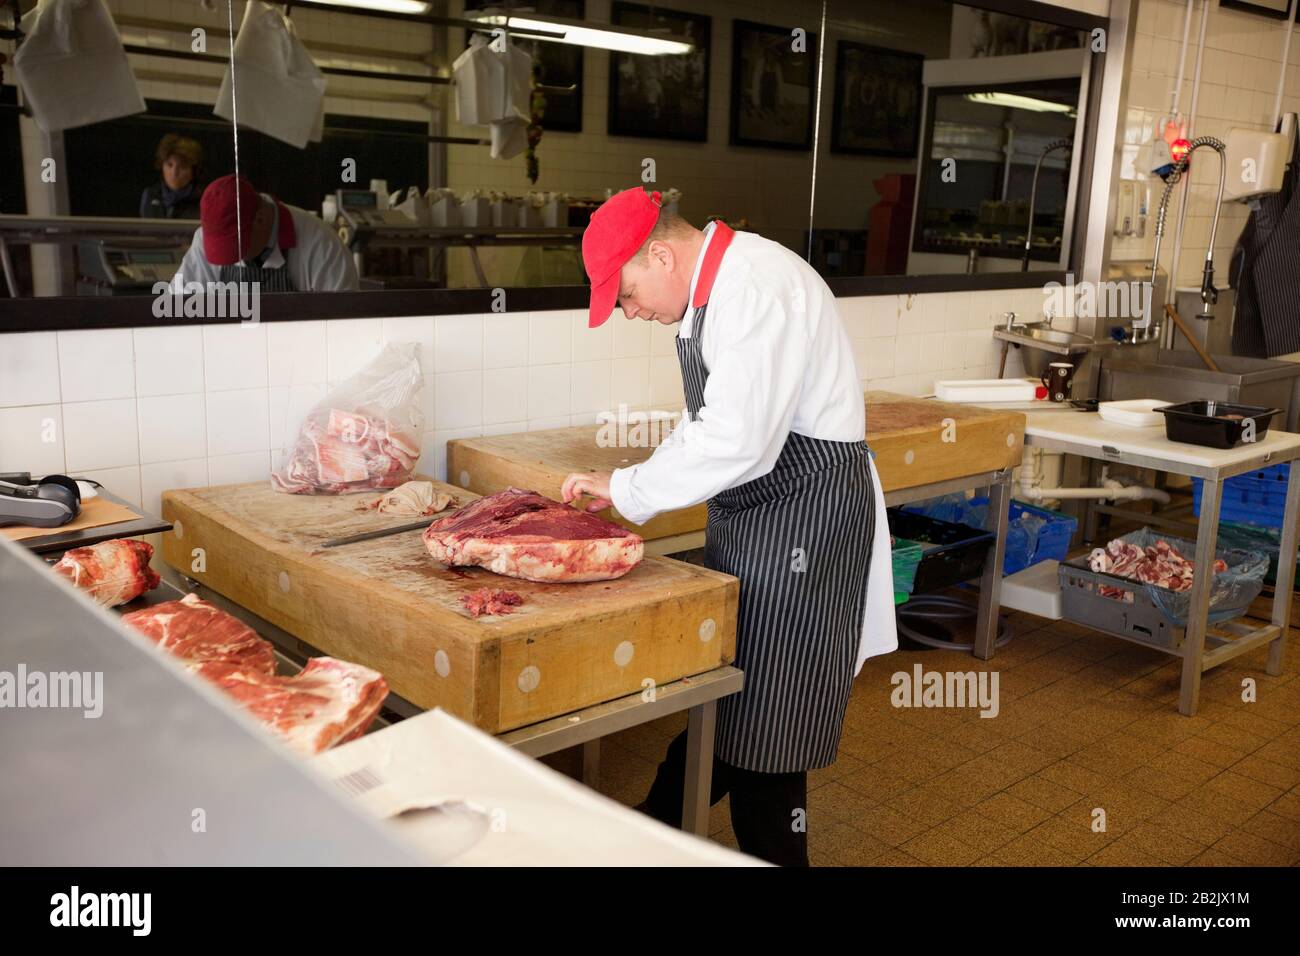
(522, 534)
(111, 572)
(1159, 563)
(343, 452)
(328, 702)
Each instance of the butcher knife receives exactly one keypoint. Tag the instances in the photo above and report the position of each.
(379, 533)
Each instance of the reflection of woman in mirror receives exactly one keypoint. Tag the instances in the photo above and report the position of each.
(176, 194)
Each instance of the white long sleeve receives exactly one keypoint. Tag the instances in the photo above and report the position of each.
(778, 360)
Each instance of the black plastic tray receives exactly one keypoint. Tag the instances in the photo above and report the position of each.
(1204, 423)
(954, 552)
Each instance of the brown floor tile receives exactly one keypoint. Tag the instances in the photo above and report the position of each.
(1213, 857)
(844, 844)
(877, 785)
(896, 858)
(1187, 766)
(1076, 840)
(978, 831)
(1276, 828)
(1012, 812)
(1210, 752)
(1234, 738)
(889, 825)
(1243, 788)
(910, 765)
(844, 765)
(1287, 805)
(1172, 848)
(1125, 852)
(941, 849)
(838, 802)
(1285, 752)
(925, 806)
(1255, 850)
(1266, 771)
(1162, 783)
(1192, 824)
(1078, 778)
(1031, 851)
(1227, 808)
(1045, 793)
(1021, 756)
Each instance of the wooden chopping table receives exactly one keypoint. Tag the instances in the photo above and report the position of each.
(574, 662)
(923, 448)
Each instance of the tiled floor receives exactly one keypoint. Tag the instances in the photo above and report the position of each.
(1086, 722)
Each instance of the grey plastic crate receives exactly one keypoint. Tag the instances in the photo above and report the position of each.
(1135, 616)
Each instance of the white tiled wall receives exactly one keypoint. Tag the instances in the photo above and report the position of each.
(142, 410)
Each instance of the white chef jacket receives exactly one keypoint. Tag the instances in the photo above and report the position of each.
(317, 262)
(779, 360)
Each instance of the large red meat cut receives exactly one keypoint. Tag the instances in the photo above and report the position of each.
(326, 703)
(522, 534)
(197, 633)
(1159, 563)
(340, 452)
(111, 572)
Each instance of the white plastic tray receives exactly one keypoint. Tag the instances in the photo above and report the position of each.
(1133, 413)
(985, 390)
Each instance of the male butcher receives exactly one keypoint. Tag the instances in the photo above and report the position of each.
(772, 439)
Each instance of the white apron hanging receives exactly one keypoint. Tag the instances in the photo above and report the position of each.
(281, 91)
(879, 629)
(71, 66)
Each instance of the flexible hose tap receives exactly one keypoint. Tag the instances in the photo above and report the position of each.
(1033, 196)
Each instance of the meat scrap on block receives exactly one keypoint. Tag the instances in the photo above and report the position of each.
(490, 602)
(111, 572)
(522, 534)
(328, 702)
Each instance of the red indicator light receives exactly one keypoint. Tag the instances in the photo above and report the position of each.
(1179, 149)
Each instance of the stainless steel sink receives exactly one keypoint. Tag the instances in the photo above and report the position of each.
(1041, 345)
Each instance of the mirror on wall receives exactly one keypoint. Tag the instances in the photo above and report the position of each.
(421, 145)
(947, 123)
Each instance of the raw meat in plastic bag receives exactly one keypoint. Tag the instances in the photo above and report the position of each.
(364, 436)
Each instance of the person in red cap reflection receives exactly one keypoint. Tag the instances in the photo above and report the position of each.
(773, 439)
(252, 237)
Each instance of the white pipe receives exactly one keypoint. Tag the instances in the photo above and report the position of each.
(1172, 287)
(1182, 58)
(1281, 80)
(1110, 490)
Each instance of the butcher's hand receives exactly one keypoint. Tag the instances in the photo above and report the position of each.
(593, 484)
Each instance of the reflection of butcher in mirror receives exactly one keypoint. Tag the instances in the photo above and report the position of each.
(248, 236)
(175, 195)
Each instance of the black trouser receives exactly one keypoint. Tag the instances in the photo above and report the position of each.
(768, 810)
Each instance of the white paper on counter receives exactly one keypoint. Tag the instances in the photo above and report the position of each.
(529, 815)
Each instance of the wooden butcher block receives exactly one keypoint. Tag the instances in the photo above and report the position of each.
(540, 461)
(922, 440)
(387, 604)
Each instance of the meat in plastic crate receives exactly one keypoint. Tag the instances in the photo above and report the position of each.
(1257, 497)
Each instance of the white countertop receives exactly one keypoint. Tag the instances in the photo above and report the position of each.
(1089, 430)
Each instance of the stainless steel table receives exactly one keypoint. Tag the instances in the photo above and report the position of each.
(1087, 436)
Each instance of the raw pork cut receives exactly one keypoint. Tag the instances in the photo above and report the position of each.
(522, 534)
(342, 452)
(490, 602)
(1160, 564)
(111, 572)
(197, 633)
(328, 702)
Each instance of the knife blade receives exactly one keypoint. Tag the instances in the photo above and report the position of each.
(379, 533)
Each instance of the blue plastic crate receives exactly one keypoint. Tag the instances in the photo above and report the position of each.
(1051, 543)
(1257, 497)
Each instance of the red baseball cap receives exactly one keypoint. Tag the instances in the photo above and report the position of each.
(226, 213)
(617, 230)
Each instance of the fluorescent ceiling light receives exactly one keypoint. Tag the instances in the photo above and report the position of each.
(390, 6)
(1017, 102)
(577, 33)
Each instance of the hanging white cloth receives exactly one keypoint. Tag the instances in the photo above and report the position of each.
(71, 66)
(494, 89)
(879, 629)
(281, 91)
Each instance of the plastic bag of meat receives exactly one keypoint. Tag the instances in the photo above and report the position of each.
(111, 572)
(364, 436)
(1163, 566)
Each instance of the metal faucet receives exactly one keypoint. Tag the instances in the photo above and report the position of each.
(1011, 321)
(1209, 294)
(1033, 196)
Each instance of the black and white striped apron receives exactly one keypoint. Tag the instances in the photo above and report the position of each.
(269, 280)
(799, 540)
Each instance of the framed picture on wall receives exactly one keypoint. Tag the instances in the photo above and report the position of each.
(877, 109)
(772, 87)
(561, 63)
(660, 97)
(1277, 9)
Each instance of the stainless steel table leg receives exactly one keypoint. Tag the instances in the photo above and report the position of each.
(1285, 570)
(591, 763)
(986, 617)
(1198, 607)
(699, 768)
